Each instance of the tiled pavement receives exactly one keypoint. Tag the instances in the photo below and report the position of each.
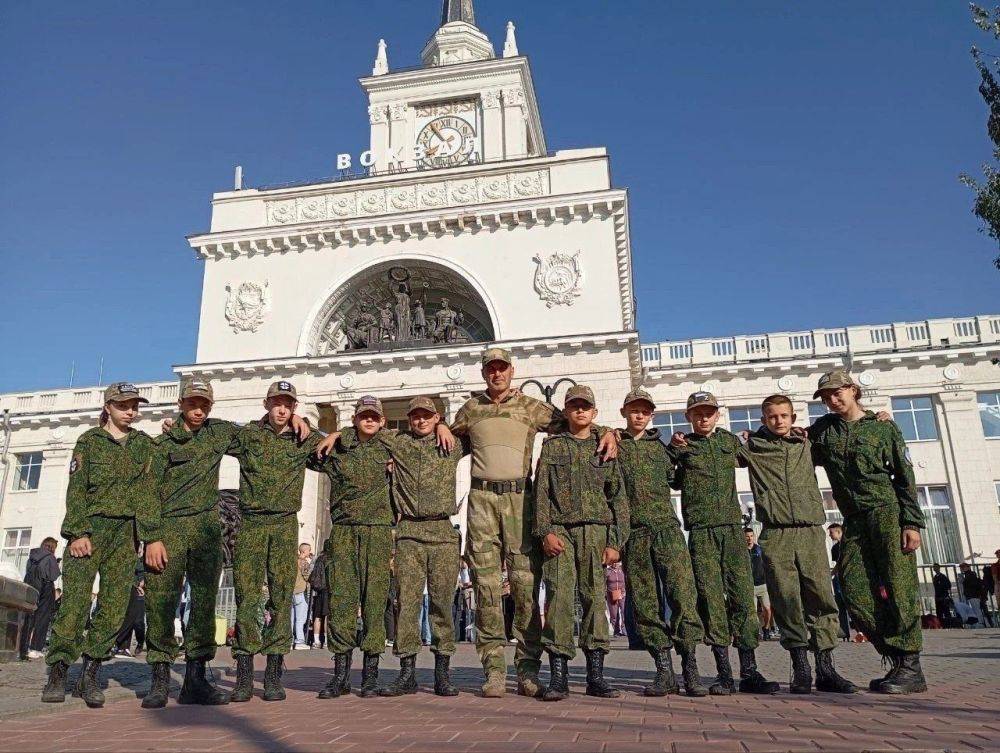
(960, 713)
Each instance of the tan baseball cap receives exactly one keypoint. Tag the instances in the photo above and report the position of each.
(639, 394)
(122, 392)
(701, 398)
(197, 388)
(282, 388)
(580, 392)
(833, 380)
(369, 404)
(424, 403)
(497, 354)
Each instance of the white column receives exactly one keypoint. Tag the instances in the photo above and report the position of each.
(491, 138)
(514, 127)
(378, 116)
(400, 139)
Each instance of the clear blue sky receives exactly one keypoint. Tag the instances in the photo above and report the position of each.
(791, 164)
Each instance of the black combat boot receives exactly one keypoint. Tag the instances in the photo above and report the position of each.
(198, 689)
(89, 685)
(442, 676)
(334, 688)
(909, 677)
(802, 680)
(689, 669)
(665, 682)
(369, 676)
(55, 686)
(827, 678)
(345, 686)
(596, 684)
(406, 683)
(244, 679)
(159, 689)
(751, 680)
(273, 691)
(893, 660)
(558, 688)
(723, 684)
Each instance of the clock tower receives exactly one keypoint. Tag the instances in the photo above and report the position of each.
(462, 106)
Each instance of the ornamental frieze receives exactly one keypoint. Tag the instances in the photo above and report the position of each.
(435, 195)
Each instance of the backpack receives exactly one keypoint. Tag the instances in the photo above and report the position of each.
(317, 578)
(32, 576)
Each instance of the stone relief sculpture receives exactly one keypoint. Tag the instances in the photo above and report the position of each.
(559, 278)
(247, 305)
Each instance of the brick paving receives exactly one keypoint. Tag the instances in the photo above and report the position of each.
(960, 713)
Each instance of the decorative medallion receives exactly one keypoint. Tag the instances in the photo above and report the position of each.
(952, 372)
(347, 381)
(558, 279)
(866, 379)
(455, 372)
(785, 383)
(247, 305)
(313, 208)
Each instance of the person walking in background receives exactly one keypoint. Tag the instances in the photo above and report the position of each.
(942, 595)
(995, 577)
(614, 578)
(300, 605)
(836, 532)
(972, 588)
(42, 574)
(988, 587)
(135, 620)
(319, 605)
(760, 594)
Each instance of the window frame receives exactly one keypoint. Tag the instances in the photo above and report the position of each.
(980, 404)
(670, 427)
(911, 414)
(924, 499)
(19, 551)
(753, 422)
(31, 466)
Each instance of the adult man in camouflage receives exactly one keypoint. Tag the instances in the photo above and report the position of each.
(272, 475)
(359, 546)
(656, 553)
(500, 427)
(582, 521)
(869, 469)
(427, 545)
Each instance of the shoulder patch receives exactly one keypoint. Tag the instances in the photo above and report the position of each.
(75, 464)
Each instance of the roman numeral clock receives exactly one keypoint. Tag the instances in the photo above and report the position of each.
(449, 133)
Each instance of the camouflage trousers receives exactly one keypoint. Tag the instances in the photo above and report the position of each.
(114, 558)
(499, 537)
(725, 586)
(797, 568)
(266, 551)
(660, 556)
(194, 549)
(357, 571)
(871, 558)
(577, 572)
(427, 551)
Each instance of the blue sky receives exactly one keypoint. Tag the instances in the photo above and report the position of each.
(791, 165)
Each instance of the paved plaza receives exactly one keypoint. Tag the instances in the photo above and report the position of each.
(961, 713)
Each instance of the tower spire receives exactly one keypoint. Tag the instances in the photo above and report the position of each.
(458, 10)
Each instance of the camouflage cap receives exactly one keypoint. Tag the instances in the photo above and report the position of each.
(197, 388)
(282, 388)
(701, 398)
(122, 392)
(496, 354)
(833, 380)
(368, 404)
(638, 394)
(580, 392)
(421, 403)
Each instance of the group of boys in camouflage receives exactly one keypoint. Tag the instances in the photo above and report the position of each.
(596, 496)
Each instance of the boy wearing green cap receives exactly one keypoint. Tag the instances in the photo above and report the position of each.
(582, 520)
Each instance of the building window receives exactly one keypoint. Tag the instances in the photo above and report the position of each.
(940, 539)
(668, 423)
(989, 412)
(16, 545)
(28, 471)
(816, 412)
(833, 514)
(996, 486)
(399, 424)
(915, 418)
(744, 418)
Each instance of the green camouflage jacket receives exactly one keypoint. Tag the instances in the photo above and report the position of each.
(783, 479)
(706, 478)
(647, 470)
(423, 479)
(185, 473)
(868, 467)
(272, 467)
(574, 486)
(106, 479)
(359, 484)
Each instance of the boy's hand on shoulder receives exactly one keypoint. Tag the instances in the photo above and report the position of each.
(883, 416)
(390, 466)
(445, 439)
(301, 427)
(552, 545)
(800, 432)
(744, 436)
(607, 448)
(678, 439)
(323, 448)
(167, 425)
(611, 556)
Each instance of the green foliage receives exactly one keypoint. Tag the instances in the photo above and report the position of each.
(987, 203)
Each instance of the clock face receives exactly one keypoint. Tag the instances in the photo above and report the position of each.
(447, 141)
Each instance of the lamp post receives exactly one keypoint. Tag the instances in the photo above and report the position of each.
(548, 390)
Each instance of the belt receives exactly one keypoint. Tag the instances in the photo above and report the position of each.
(516, 486)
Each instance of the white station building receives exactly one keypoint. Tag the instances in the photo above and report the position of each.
(460, 228)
